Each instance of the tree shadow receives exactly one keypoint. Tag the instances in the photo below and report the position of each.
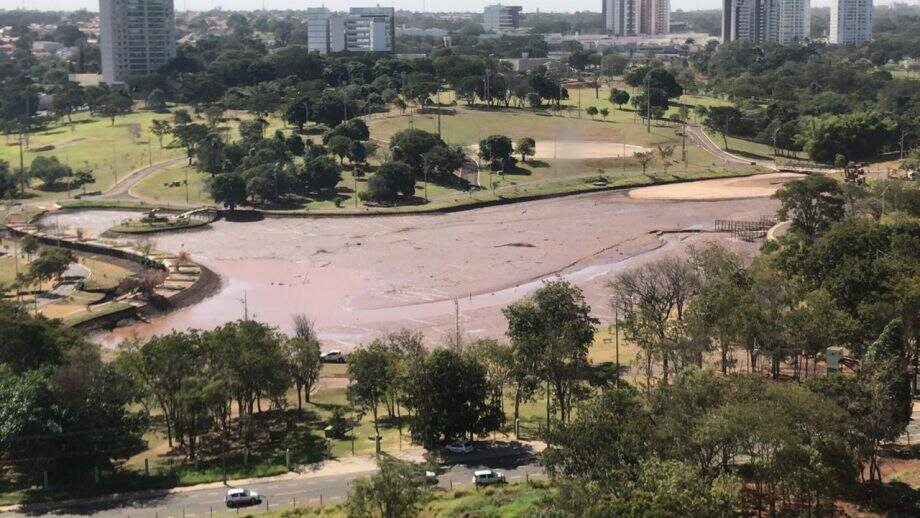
(501, 455)
(537, 163)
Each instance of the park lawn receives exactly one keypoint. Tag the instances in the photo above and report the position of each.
(158, 187)
(111, 152)
(103, 276)
(8, 265)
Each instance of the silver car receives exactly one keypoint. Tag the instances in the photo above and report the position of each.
(242, 497)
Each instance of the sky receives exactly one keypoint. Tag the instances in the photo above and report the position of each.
(413, 5)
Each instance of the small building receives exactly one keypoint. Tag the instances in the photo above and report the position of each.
(501, 18)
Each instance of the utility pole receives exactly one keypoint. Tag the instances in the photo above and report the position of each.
(457, 320)
(245, 306)
(616, 327)
(648, 102)
(439, 124)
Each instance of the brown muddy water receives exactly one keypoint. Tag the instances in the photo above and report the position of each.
(360, 277)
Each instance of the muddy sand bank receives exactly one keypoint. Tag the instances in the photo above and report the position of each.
(359, 277)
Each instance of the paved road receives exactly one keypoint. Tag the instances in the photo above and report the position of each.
(121, 190)
(278, 495)
(696, 132)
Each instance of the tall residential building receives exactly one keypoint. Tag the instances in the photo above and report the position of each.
(632, 17)
(621, 17)
(498, 17)
(760, 21)
(362, 29)
(136, 37)
(851, 21)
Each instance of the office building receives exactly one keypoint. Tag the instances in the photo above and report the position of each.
(362, 29)
(851, 22)
(761, 21)
(136, 37)
(501, 18)
(633, 17)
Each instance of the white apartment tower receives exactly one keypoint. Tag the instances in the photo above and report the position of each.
(362, 29)
(633, 17)
(136, 37)
(760, 21)
(499, 18)
(851, 22)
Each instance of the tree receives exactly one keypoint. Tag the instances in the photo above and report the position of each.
(7, 180)
(723, 119)
(50, 263)
(526, 146)
(321, 174)
(496, 149)
(392, 179)
(304, 365)
(156, 101)
(644, 158)
(450, 398)
(619, 97)
(210, 154)
(393, 492)
(30, 245)
(340, 146)
(604, 113)
(592, 111)
(83, 177)
(113, 105)
(410, 145)
(228, 189)
(67, 99)
(554, 329)
(665, 151)
(49, 170)
(857, 135)
(160, 128)
(812, 204)
(614, 64)
(370, 375)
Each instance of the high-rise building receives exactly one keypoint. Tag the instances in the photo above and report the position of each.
(760, 21)
(362, 29)
(136, 37)
(851, 21)
(621, 17)
(632, 17)
(498, 17)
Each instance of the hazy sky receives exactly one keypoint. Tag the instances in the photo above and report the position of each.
(414, 5)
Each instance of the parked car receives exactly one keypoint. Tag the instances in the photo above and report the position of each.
(485, 477)
(334, 356)
(459, 447)
(242, 497)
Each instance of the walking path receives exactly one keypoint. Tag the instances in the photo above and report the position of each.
(121, 190)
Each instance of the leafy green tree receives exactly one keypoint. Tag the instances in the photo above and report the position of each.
(210, 154)
(619, 97)
(450, 398)
(114, 105)
(50, 263)
(393, 492)
(724, 120)
(440, 162)
(410, 145)
(644, 158)
(554, 328)
(340, 146)
(371, 377)
(857, 135)
(592, 111)
(304, 366)
(67, 99)
(156, 101)
(160, 128)
(605, 112)
(8, 182)
(613, 64)
(49, 170)
(392, 180)
(228, 189)
(321, 174)
(526, 146)
(496, 149)
(812, 204)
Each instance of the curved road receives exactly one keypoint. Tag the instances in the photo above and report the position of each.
(121, 190)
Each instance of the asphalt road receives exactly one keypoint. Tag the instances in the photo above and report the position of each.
(277, 495)
(121, 190)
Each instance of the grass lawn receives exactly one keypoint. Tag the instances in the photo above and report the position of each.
(506, 501)
(111, 152)
(161, 187)
(103, 276)
(141, 227)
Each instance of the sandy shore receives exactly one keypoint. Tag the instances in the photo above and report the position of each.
(359, 277)
(721, 189)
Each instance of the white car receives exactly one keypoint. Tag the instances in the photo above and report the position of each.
(428, 478)
(459, 447)
(485, 477)
(334, 356)
(242, 497)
